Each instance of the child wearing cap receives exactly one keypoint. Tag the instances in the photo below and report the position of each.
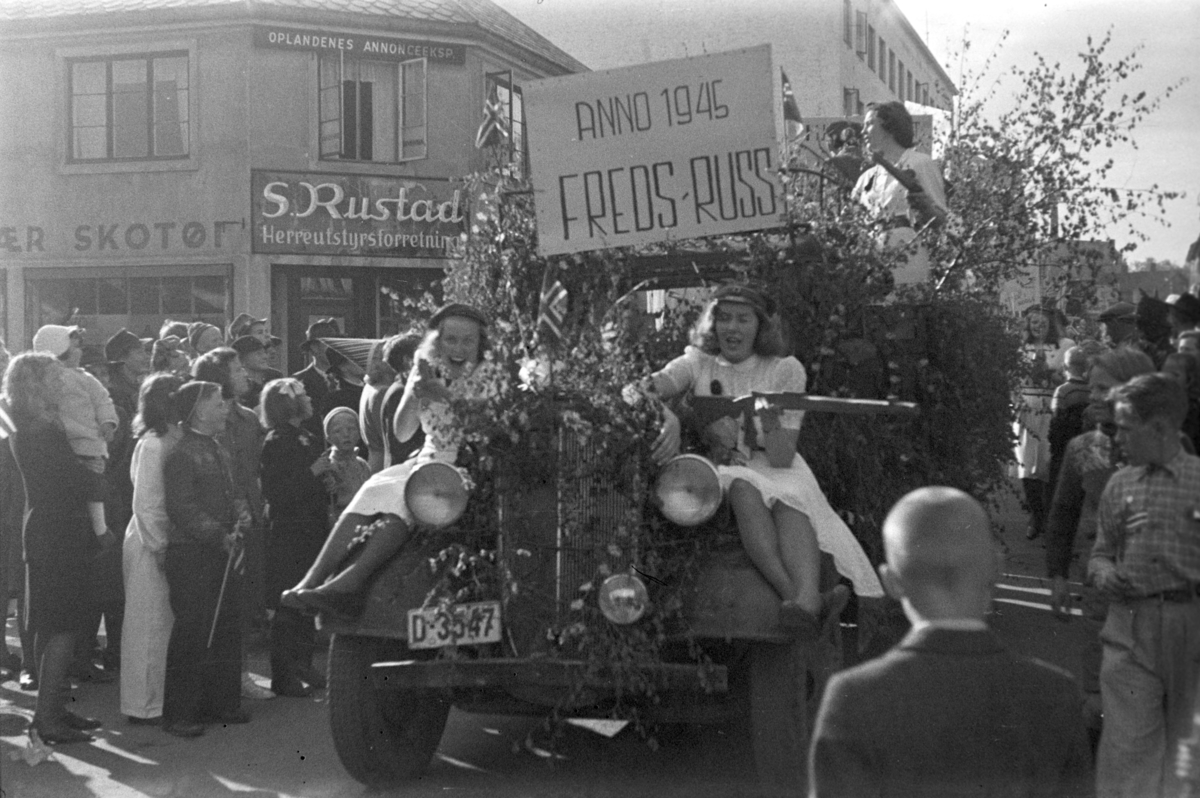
(346, 471)
(85, 409)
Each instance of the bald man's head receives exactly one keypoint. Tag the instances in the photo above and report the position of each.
(939, 553)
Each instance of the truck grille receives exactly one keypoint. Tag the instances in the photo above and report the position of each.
(557, 528)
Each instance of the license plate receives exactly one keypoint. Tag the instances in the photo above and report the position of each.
(455, 625)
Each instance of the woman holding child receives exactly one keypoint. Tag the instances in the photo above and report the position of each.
(783, 517)
(59, 543)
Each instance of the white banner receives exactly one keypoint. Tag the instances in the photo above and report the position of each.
(655, 152)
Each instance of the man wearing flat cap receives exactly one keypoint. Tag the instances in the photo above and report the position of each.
(315, 376)
(1120, 324)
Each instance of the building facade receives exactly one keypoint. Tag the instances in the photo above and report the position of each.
(194, 159)
(838, 54)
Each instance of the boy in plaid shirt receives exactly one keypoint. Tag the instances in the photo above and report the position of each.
(1147, 561)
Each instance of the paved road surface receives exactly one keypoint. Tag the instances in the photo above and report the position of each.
(286, 750)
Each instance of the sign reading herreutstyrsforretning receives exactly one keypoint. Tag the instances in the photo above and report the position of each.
(655, 152)
(317, 213)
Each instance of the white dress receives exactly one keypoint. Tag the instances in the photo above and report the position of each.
(384, 491)
(146, 629)
(795, 486)
(886, 199)
(1032, 426)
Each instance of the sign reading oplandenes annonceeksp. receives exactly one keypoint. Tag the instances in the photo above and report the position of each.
(318, 213)
(670, 150)
(384, 48)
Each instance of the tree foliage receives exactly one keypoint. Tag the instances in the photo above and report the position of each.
(1037, 174)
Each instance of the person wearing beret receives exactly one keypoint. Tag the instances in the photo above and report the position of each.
(784, 520)
(449, 365)
(204, 337)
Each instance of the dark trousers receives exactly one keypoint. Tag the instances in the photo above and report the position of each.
(202, 681)
(292, 641)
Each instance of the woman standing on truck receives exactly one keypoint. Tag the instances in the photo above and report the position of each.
(443, 369)
(783, 517)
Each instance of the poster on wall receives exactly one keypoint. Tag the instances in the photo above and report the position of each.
(655, 152)
(316, 213)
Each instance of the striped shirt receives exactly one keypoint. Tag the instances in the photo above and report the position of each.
(1149, 525)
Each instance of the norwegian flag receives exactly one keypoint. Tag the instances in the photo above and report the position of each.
(7, 427)
(791, 111)
(552, 309)
(493, 130)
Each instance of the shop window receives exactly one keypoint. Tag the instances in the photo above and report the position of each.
(501, 88)
(137, 298)
(372, 110)
(125, 108)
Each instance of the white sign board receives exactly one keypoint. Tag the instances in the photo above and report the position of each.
(670, 150)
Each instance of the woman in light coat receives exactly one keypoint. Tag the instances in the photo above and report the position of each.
(148, 617)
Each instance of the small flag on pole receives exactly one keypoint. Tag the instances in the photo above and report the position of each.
(493, 129)
(552, 309)
(791, 111)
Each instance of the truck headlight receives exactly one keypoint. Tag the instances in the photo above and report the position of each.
(688, 490)
(436, 494)
(623, 598)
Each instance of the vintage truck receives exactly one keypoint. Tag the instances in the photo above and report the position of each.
(530, 638)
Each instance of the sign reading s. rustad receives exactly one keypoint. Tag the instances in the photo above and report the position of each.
(361, 45)
(368, 216)
(671, 150)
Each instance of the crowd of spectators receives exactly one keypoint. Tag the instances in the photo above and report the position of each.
(164, 491)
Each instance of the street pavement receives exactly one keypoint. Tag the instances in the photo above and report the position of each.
(286, 751)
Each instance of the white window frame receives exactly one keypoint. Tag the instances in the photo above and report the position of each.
(65, 56)
(326, 93)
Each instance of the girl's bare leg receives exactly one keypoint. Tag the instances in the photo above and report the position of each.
(800, 554)
(756, 527)
(334, 550)
(386, 539)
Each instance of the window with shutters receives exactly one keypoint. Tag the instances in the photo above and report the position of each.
(870, 48)
(860, 34)
(501, 88)
(847, 22)
(372, 110)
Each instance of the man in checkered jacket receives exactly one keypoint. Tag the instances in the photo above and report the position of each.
(1147, 560)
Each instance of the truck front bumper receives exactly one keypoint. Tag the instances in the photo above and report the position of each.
(508, 674)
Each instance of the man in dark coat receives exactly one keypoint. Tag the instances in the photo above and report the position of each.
(949, 711)
(318, 384)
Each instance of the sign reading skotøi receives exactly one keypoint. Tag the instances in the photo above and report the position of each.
(361, 215)
(670, 150)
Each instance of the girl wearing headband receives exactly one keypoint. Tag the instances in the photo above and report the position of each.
(446, 366)
(784, 519)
